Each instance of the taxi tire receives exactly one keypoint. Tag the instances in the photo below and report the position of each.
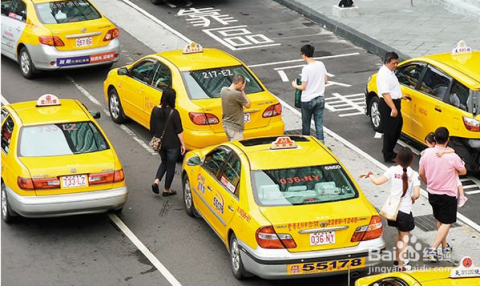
(375, 117)
(187, 197)
(7, 213)
(236, 259)
(114, 99)
(28, 71)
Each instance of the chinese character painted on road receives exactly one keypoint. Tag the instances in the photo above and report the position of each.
(203, 16)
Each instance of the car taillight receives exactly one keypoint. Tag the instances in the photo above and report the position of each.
(203, 118)
(367, 232)
(112, 34)
(273, 110)
(118, 176)
(471, 124)
(106, 178)
(25, 183)
(267, 238)
(38, 184)
(53, 41)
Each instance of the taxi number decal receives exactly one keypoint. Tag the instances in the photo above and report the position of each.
(246, 117)
(325, 266)
(308, 178)
(214, 73)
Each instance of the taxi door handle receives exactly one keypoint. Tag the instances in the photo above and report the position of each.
(231, 208)
(438, 109)
(209, 188)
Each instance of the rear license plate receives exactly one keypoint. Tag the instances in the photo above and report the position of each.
(325, 266)
(246, 117)
(84, 42)
(322, 238)
(74, 181)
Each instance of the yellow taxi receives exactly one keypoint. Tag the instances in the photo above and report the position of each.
(466, 274)
(197, 75)
(444, 91)
(285, 207)
(57, 161)
(57, 34)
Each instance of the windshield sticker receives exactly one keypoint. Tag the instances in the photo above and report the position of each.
(227, 184)
(291, 180)
(333, 167)
(69, 126)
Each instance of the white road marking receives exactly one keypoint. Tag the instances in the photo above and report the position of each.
(350, 114)
(301, 60)
(4, 101)
(228, 42)
(283, 76)
(472, 192)
(378, 135)
(148, 254)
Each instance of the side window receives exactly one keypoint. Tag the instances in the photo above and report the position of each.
(409, 75)
(435, 83)
(458, 96)
(163, 77)
(230, 176)
(6, 4)
(18, 10)
(7, 130)
(144, 71)
(4, 114)
(214, 161)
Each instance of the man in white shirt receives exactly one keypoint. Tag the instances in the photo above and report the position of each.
(314, 78)
(390, 105)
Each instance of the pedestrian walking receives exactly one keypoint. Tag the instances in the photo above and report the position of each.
(233, 101)
(314, 77)
(390, 105)
(404, 183)
(440, 175)
(165, 120)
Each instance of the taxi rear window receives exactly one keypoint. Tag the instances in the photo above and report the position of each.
(301, 186)
(66, 12)
(204, 84)
(61, 139)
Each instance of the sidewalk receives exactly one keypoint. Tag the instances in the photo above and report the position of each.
(389, 25)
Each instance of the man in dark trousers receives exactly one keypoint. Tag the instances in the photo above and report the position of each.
(390, 105)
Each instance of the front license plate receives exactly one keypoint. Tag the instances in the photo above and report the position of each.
(84, 42)
(246, 117)
(325, 266)
(322, 238)
(74, 181)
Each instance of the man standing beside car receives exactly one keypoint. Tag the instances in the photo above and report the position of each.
(233, 101)
(390, 105)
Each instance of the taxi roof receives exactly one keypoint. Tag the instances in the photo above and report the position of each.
(209, 58)
(69, 110)
(308, 153)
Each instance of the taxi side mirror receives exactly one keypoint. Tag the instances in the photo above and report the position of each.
(194, 161)
(95, 114)
(122, 71)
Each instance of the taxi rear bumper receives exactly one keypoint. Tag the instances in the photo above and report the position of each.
(67, 204)
(272, 263)
(42, 56)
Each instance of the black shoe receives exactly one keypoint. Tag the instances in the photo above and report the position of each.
(155, 188)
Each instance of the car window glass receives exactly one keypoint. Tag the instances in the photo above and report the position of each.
(230, 175)
(390, 281)
(409, 75)
(6, 4)
(435, 83)
(61, 139)
(66, 12)
(5, 113)
(18, 10)
(7, 130)
(459, 96)
(214, 161)
(144, 71)
(162, 77)
(204, 84)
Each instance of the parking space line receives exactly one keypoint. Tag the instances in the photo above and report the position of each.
(471, 192)
(301, 60)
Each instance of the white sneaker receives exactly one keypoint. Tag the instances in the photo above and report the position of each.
(461, 201)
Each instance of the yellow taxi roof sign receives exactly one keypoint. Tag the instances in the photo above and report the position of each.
(465, 269)
(283, 142)
(48, 100)
(461, 48)
(193, 48)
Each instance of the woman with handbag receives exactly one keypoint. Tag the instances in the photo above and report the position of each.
(404, 190)
(165, 124)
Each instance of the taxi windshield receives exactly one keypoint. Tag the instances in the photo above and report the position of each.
(66, 12)
(204, 84)
(301, 186)
(61, 139)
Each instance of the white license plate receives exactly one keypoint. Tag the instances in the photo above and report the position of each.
(322, 238)
(74, 181)
(246, 117)
(84, 42)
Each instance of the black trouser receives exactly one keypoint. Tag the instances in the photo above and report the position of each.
(169, 161)
(392, 127)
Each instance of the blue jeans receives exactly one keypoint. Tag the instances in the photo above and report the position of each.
(169, 161)
(313, 108)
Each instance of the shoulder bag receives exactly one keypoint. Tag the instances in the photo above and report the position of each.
(391, 206)
(156, 142)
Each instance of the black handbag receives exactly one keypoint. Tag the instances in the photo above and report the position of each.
(156, 142)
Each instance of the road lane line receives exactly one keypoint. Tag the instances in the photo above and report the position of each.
(148, 254)
(283, 76)
(301, 60)
(472, 192)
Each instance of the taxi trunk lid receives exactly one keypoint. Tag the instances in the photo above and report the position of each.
(320, 226)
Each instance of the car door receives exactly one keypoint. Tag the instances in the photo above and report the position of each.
(428, 108)
(162, 78)
(14, 15)
(8, 160)
(409, 76)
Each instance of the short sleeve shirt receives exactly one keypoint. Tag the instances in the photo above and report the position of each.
(387, 82)
(158, 118)
(394, 175)
(314, 74)
(232, 109)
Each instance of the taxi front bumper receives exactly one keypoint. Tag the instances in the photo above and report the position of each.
(272, 263)
(42, 56)
(67, 204)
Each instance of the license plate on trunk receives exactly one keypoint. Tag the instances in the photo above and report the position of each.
(322, 238)
(74, 181)
(84, 42)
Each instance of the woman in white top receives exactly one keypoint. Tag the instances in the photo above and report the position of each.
(404, 183)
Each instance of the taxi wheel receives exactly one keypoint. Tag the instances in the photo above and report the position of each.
(6, 213)
(26, 65)
(115, 107)
(187, 197)
(237, 265)
(375, 117)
